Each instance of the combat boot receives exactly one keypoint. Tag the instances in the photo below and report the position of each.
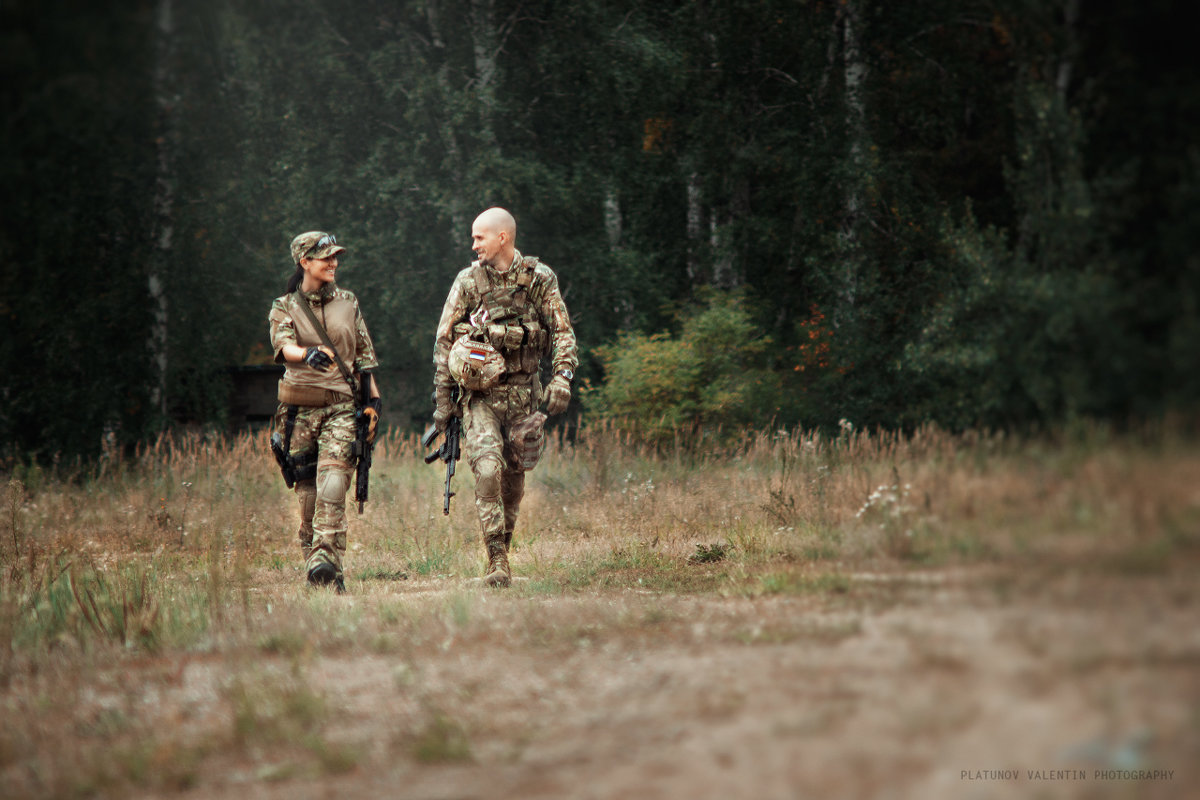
(498, 572)
(322, 574)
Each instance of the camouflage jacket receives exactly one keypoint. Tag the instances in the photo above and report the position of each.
(338, 311)
(520, 311)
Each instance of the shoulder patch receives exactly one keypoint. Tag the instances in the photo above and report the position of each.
(279, 310)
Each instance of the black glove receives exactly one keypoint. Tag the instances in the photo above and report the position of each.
(317, 359)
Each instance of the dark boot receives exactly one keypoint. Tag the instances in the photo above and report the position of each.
(322, 574)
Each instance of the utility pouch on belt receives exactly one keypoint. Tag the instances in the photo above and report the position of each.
(528, 438)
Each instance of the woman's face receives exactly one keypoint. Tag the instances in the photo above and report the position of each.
(320, 270)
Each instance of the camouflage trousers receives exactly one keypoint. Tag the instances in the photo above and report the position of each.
(499, 475)
(330, 431)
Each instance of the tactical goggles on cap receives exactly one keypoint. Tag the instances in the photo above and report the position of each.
(315, 244)
(325, 241)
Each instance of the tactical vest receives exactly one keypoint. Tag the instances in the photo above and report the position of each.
(507, 316)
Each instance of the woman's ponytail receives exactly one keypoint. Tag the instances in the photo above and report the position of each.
(295, 280)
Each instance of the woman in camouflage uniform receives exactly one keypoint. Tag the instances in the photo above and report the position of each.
(316, 402)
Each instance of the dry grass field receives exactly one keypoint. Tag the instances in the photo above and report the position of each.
(931, 616)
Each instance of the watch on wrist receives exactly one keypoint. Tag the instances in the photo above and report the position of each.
(568, 374)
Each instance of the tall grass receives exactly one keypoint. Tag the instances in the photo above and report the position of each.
(183, 542)
(200, 520)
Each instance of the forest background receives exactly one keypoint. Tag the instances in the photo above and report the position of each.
(761, 212)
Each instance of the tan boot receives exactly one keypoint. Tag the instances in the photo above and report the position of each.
(498, 572)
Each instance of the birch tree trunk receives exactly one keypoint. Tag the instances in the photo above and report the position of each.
(1062, 81)
(722, 255)
(164, 200)
(613, 221)
(485, 41)
(459, 226)
(695, 227)
(855, 73)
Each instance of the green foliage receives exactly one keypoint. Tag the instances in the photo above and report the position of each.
(712, 376)
(76, 137)
(999, 224)
(1035, 327)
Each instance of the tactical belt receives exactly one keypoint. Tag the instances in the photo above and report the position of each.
(312, 396)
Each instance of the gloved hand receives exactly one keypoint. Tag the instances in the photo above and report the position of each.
(315, 357)
(558, 394)
(444, 407)
(372, 410)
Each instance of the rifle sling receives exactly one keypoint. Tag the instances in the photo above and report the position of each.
(325, 340)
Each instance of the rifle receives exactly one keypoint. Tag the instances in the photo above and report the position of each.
(450, 451)
(361, 449)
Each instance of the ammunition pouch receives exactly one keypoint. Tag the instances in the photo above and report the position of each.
(505, 323)
(515, 336)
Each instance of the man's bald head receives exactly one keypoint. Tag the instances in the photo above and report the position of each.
(493, 238)
(498, 219)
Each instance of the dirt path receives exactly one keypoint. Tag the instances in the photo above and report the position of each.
(981, 684)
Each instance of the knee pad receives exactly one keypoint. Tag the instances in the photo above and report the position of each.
(332, 485)
(487, 476)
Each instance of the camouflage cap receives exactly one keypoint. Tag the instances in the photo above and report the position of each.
(315, 244)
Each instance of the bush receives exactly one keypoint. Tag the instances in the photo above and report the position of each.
(711, 379)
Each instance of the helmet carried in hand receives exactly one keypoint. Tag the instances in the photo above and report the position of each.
(477, 366)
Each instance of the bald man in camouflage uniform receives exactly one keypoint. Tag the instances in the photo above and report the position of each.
(512, 302)
(318, 399)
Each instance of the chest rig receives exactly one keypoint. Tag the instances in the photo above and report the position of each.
(505, 314)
